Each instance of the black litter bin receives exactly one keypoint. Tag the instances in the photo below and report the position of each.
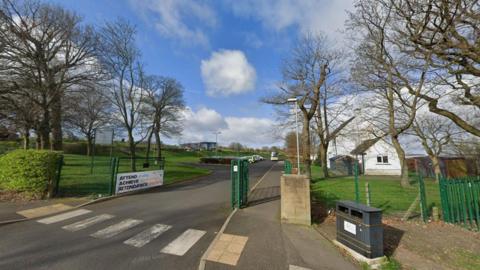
(359, 227)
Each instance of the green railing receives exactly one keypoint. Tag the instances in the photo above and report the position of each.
(460, 201)
(287, 167)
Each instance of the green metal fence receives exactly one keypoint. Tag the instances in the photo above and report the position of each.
(460, 201)
(239, 176)
(77, 176)
(287, 167)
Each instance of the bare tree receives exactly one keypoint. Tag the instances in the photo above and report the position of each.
(121, 58)
(21, 114)
(46, 51)
(435, 134)
(334, 110)
(87, 110)
(379, 67)
(163, 105)
(304, 73)
(443, 34)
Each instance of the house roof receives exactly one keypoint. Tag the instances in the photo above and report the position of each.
(340, 157)
(361, 148)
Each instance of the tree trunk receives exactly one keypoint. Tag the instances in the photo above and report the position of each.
(132, 147)
(403, 164)
(89, 145)
(324, 159)
(44, 130)
(306, 147)
(159, 144)
(57, 134)
(26, 140)
(149, 143)
(436, 167)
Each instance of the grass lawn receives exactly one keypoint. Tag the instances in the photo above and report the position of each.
(77, 179)
(386, 192)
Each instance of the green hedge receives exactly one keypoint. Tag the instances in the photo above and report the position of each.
(32, 171)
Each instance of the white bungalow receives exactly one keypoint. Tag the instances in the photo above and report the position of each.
(375, 156)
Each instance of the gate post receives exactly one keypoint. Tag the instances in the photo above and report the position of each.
(239, 177)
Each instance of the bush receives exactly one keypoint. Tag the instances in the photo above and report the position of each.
(31, 171)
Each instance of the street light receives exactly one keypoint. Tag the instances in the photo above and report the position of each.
(216, 141)
(294, 100)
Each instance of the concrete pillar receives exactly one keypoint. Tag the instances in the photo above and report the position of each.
(295, 199)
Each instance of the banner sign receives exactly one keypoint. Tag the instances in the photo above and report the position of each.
(104, 136)
(127, 182)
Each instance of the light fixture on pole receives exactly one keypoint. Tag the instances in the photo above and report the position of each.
(294, 100)
(216, 141)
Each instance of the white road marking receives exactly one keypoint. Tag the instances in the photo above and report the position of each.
(148, 235)
(82, 224)
(117, 228)
(64, 216)
(183, 243)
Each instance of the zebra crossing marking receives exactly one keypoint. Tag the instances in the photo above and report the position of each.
(183, 243)
(148, 235)
(64, 216)
(116, 228)
(82, 224)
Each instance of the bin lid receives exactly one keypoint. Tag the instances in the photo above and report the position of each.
(359, 206)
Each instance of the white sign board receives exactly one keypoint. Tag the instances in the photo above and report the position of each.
(104, 136)
(350, 227)
(127, 182)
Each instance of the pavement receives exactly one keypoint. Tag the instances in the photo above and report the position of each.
(165, 228)
(269, 244)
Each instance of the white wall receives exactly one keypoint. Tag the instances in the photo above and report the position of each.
(372, 167)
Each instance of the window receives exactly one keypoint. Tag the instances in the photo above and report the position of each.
(382, 159)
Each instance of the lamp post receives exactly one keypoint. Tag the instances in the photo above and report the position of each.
(294, 100)
(216, 141)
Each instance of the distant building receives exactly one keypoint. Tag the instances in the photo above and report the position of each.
(209, 146)
(451, 166)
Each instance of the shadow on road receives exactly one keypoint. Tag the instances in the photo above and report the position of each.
(264, 195)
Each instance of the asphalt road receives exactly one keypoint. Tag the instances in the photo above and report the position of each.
(192, 211)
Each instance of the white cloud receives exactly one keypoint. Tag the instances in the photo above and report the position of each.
(184, 20)
(314, 16)
(199, 126)
(203, 120)
(228, 72)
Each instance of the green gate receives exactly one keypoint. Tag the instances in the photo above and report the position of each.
(239, 176)
(460, 201)
(287, 167)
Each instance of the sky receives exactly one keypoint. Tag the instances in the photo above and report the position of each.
(227, 54)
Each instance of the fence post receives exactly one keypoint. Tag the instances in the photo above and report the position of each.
(113, 174)
(367, 192)
(423, 198)
(58, 175)
(476, 202)
(233, 176)
(357, 192)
